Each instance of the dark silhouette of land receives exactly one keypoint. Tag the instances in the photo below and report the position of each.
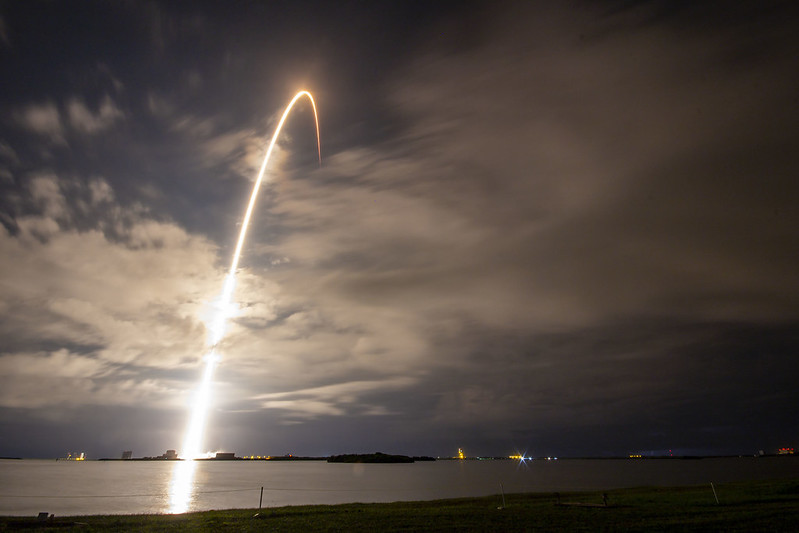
(377, 457)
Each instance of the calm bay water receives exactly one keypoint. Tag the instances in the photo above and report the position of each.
(125, 487)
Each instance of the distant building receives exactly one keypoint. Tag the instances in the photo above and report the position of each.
(170, 455)
(225, 456)
(127, 455)
(461, 455)
(785, 451)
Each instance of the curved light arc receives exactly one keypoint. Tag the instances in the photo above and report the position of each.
(218, 326)
(251, 206)
(195, 430)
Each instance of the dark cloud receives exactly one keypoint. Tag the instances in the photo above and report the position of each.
(566, 230)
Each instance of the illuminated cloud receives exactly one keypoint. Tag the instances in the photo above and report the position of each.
(72, 287)
(75, 381)
(43, 119)
(336, 399)
(84, 120)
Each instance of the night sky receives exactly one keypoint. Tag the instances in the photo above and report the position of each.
(552, 228)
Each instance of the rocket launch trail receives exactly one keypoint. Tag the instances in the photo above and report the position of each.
(182, 477)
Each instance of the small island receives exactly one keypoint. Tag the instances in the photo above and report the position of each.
(377, 457)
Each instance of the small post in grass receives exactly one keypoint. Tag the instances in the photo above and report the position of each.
(260, 501)
(502, 490)
(714, 492)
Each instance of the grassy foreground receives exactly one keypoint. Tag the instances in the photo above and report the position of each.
(751, 506)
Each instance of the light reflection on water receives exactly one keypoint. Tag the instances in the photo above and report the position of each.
(181, 487)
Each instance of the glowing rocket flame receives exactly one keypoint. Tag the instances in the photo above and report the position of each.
(182, 478)
(194, 434)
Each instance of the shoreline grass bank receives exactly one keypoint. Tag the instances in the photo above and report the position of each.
(746, 506)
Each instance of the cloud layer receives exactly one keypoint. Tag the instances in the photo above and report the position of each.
(571, 233)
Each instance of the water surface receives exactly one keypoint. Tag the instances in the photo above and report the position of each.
(28, 487)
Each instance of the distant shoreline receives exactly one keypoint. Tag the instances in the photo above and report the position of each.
(416, 458)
